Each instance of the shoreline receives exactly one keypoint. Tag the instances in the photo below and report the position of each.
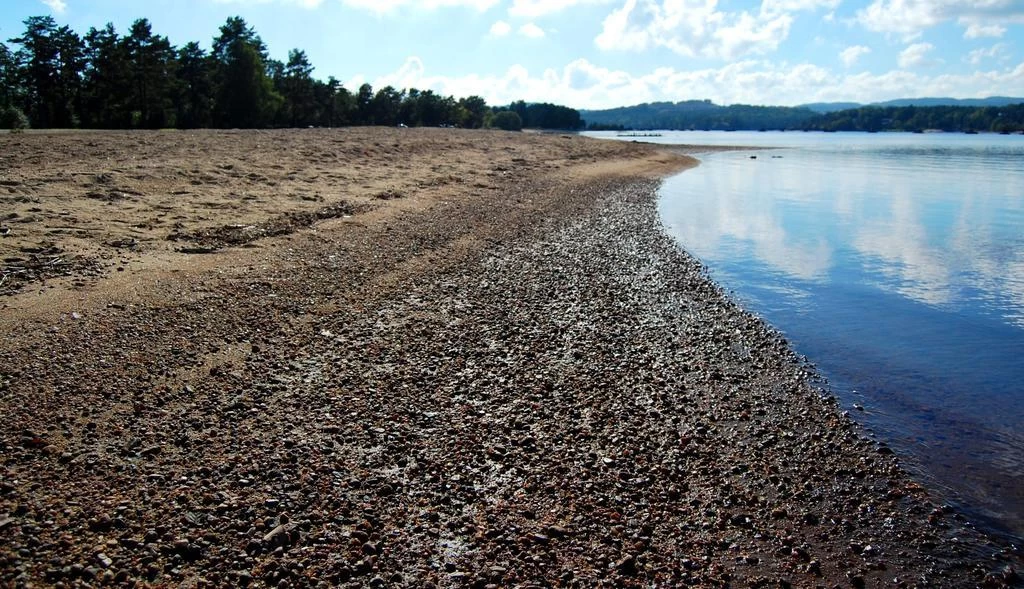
(456, 391)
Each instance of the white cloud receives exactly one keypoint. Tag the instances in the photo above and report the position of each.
(410, 75)
(915, 268)
(697, 28)
(785, 6)
(916, 55)
(538, 8)
(997, 51)
(58, 6)
(852, 54)
(500, 29)
(909, 18)
(977, 30)
(531, 30)
(302, 3)
(583, 84)
(391, 6)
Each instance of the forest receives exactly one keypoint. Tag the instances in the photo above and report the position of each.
(965, 119)
(51, 77)
(700, 115)
(706, 116)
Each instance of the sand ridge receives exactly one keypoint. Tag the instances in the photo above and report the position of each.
(82, 208)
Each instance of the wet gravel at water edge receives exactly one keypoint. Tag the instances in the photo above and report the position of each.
(575, 405)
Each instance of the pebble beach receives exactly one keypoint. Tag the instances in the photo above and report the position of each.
(502, 374)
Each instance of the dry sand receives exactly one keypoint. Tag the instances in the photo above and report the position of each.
(412, 357)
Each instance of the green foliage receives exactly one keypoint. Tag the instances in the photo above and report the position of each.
(12, 118)
(386, 106)
(704, 115)
(107, 81)
(507, 120)
(473, 110)
(51, 61)
(244, 93)
(1002, 119)
(699, 115)
(246, 97)
(548, 116)
(10, 85)
(139, 80)
(152, 64)
(195, 98)
(297, 88)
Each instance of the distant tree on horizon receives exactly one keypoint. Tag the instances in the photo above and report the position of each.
(507, 120)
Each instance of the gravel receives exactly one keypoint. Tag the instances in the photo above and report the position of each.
(509, 395)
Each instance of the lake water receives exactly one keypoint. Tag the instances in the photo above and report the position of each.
(895, 262)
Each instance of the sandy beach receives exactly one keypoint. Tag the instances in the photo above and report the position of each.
(413, 358)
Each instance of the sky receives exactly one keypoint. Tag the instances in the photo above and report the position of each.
(594, 54)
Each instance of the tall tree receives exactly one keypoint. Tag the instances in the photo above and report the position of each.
(434, 110)
(325, 95)
(10, 83)
(473, 110)
(11, 91)
(53, 63)
(344, 107)
(386, 106)
(245, 95)
(409, 112)
(195, 88)
(364, 105)
(107, 86)
(152, 64)
(234, 30)
(297, 89)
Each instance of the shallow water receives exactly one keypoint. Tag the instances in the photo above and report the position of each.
(895, 262)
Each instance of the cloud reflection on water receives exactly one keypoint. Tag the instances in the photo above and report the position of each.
(896, 262)
(929, 224)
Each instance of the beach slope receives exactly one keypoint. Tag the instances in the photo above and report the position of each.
(412, 357)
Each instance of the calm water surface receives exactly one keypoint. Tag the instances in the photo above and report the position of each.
(895, 262)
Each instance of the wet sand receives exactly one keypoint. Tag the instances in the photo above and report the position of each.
(378, 357)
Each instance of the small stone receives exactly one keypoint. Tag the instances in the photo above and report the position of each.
(280, 533)
(557, 531)
(627, 566)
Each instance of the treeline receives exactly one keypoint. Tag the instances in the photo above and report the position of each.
(964, 119)
(704, 115)
(698, 115)
(104, 80)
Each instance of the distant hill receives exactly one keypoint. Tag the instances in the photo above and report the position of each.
(991, 101)
(698, 115)
(827, 107)
(1008, 118)
(706, 115)
(824, 107)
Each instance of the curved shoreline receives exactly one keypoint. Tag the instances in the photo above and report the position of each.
(535, 389)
